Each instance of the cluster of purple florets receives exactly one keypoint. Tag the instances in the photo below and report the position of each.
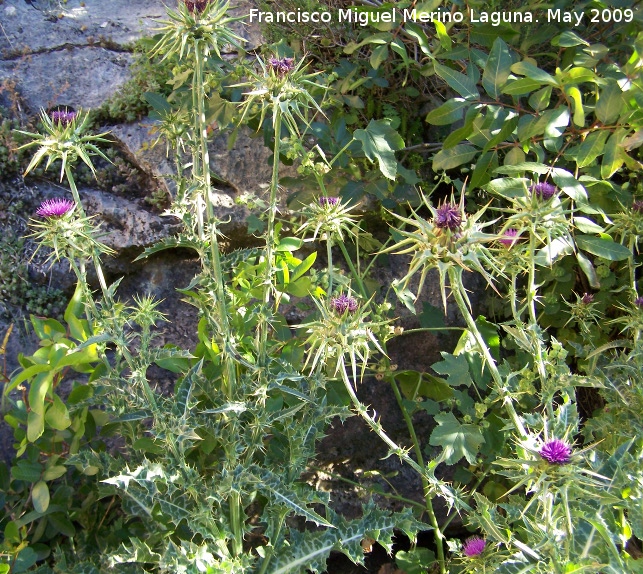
(509, 237)
(556, 452)
(62, 117)
(543, 190)
(325, 200)
(474, 546)
(56, 207)
(197, 6)
(448, 216)
(343, 303)
(587, 298)
(281, 66)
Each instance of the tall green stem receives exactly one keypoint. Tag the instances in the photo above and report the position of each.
(456, 285)
(229, 381)
(426, 487)
(270, 235)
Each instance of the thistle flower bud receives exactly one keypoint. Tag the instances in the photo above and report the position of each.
(637, 206)
(509, 238)
(543, 190)
(325, 200)
(639, 302)
(196, 6)
(344, 303)
(448, 216)
(281, 66)
(587, 298)
(62, 117)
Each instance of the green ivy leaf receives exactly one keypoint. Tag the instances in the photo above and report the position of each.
(456, 439)
(379, 142)
(457, 369)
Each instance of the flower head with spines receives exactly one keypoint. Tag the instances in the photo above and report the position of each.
(56, 207)
(193, 22)
(474, 546)
(450, 239)
(65, 139)
(327, 216)
(286, 88)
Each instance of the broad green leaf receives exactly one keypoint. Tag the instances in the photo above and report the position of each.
(579, 112)
(415, 30)
(612, 156)
(454, 157)
(378, 55)
(35, 426)
(379, 142)
(415, 561)
(533, 72)
(448, 113)
(569, 39)
(443, 35)
(38, 390)
(54, 472)
(609, 104)
(381, 38)
(415, 384)
(158, 102)
(514, 156)
(456, 367)
(220, 111)
(26, 471)
(462, 84)
(304, 266)
(603, 247)
(568, 184)
(457, 440)
(588, 268)
(587, 152)
(40, 496)
(540, 100)
(521, 87)
(482, 172)
(587, 225)
(553, 251)
(57, 415)
(498, 68)
(289, 244)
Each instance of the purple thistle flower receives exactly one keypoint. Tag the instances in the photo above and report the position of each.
(344, 303)
(587, 298)
(543, 190)
(638, 301)
(281, 66)
(556, 452)
(448, 216)
(509, 238)
(197, 6)
(62, 117)
(637, 206)
(474, 546)
(56, 207)
(325, 200)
